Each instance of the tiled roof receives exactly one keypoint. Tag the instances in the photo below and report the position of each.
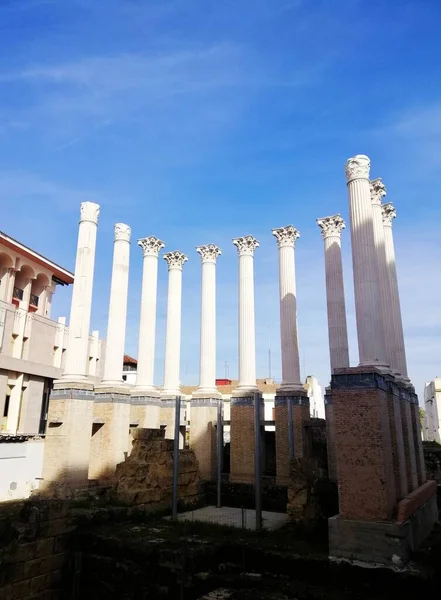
(128, 360)
(265, 388)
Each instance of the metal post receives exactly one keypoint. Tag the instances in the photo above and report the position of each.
(257, 459)
(176, 458)
(290, 430)
(220, 445)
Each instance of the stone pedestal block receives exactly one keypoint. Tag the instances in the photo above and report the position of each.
(364, 445)
(242, 452)
(167, 419)
(330, 437)
(408, 439)
(397, 439)
(387, 543)
(300, 415)
(203, 434)
(145, 412)
(67, 445)
(110, 432)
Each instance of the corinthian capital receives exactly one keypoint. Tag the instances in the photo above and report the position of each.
(378, 191)
(331, 226)
(175, 259)
(122, 232)
(286, 236)
(357, 167)
(209, 253)
(151, 246)
(246, 245)
(389, 213)
(89, 211)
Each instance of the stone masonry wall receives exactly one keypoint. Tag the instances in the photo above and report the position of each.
(33, 549)
(145, 477)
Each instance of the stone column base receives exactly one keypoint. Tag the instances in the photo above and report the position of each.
(167, 408)
(242, 437)
(110, 432)
(145, 412)
(67, 443)
(300, 415)
(203, 434)
(387, 543)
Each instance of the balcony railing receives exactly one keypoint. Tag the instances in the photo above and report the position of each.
(17, 293)
(34, 300)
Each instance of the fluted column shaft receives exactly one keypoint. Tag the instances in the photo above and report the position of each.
(116, 325)
(365, 264)
(175, 261)
(286, 238)
(398, 353)
(81, 305)
(207, 364)
(151, 247)
(247, 334)
(335, 295)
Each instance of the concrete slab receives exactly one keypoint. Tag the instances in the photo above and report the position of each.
(235, 517)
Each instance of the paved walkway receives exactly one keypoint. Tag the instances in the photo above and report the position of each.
(235, 517)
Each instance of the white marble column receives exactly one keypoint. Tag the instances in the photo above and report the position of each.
(399, 362)
(207, 365)
(378, 191)
(370, 332)
(175, 261)
(81, 305)
(151, 248)
(286, 239)
(247, 334)
(331, 228)
(116, 324)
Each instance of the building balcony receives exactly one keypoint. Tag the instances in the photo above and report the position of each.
(17, 293)
(33, 301)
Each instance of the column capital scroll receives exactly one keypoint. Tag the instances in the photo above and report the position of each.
(122, 232)
(331, 226)
(151, 246)
(389, 213)
(378, 191)
(89, 211)
(357, 167)
(246, 245)
(286, 236)
(209, 252)
(175, 259)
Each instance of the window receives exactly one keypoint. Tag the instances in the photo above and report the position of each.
(33, 301)
(124, 377)
(6, 408)
(17, 293)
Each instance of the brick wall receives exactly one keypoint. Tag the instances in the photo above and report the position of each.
(33, 556)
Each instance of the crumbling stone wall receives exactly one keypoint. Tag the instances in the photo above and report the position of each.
(145, 478)
(33, 549)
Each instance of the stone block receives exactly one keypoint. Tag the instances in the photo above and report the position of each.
(45, 547)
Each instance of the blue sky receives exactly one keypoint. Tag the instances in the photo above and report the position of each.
(202, 120)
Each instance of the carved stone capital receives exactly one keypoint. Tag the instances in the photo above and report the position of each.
(209, 253)
(151, 246)
(378, 191)
(286, 236)
(389, 214)
(122, 232)
(357, 167)
(175, 259)
(331, 226)
(89, 211)
(246, 245)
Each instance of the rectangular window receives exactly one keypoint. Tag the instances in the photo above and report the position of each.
(17, 293)
(6, 408)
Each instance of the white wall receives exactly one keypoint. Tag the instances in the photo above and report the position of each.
(21, 466)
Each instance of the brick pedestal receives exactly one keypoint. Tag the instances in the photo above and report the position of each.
(330, 436)
(417, 437)
(203, 432)
(67, 444)
(110, 432)
(242, 438)
(374, 444)
(300, 414)
(145, 412)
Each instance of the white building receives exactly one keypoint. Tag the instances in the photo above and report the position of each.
(32, 350)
